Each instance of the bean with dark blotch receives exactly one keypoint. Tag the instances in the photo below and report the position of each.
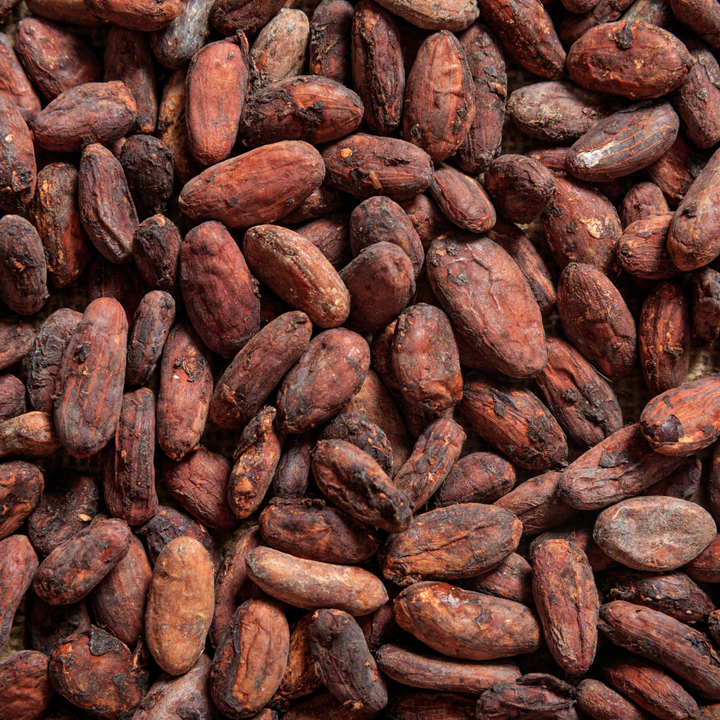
(16, 340)
(54, 58)
(18, 563)
(199, 483)
(153, 320)
(583, 403)
(450, 543)
(129, 469)
(465, 624)
(183, 401)
(128, 59)
(24, 685)
(255, 459)
(119, 599)
(618, 467)
(86, 114)
(480, 477)
(683, 419)
(74, 568)
(65, 508)
(147, 164)
(90, 380)
(156, 249)
(301, 107)
(357, 484)
(21, 485)
(168, 524)
(250, 659)
(358, 430)
(180, 605)
(432, 458)
(516, 422)
(97, 673)
(654, 533)
(312, 584)
(257, 368)
(330, 371)
(18, 173)
(12, 397)
(309, 528)
(674, 594)
(519, 187)
(344, 663)
(23, 270)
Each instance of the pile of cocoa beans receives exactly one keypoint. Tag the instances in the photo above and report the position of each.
(319, 403)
